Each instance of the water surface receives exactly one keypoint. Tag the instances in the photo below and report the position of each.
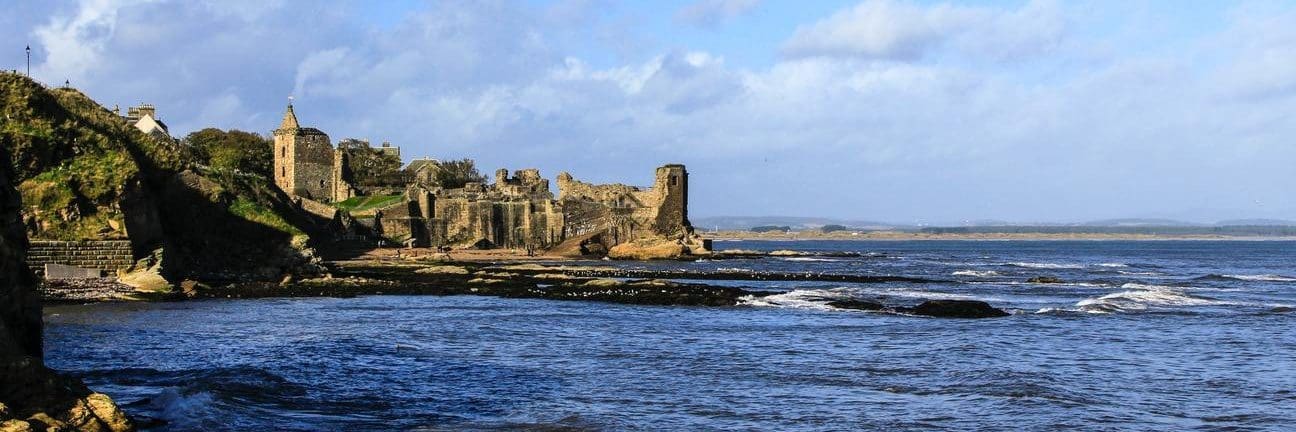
(1142, 336)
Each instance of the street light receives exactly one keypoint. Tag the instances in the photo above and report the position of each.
(28, 61)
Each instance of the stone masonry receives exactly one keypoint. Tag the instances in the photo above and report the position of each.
(104, 255)
(516, 211)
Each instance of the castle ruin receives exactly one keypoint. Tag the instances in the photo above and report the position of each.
(517, 211)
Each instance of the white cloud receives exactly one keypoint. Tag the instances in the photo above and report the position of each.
(900, 30)
(74, 44)
(897, 119)
(712, 13)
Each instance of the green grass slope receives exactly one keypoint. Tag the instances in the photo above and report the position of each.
(84, 173)
(73, 159)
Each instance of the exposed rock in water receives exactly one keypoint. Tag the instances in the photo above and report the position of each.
(33, 397)
(856, 304)
(648, 250)
(1044, 280)
(955, 309)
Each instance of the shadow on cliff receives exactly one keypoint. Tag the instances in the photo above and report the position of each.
(222, 229)
(32, 395)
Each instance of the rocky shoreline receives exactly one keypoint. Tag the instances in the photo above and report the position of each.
(559, 281)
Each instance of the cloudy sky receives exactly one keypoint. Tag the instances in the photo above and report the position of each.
(893, 110)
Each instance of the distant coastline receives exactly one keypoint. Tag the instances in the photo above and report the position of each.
(1022, 236)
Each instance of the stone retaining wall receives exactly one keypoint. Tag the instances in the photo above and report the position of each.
(106, 255)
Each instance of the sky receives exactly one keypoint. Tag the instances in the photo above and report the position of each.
(926, 112)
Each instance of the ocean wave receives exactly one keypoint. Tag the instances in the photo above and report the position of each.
(1045, 265)
(176, 403)
(797, 299)
(1044, 285)
(1138, 273)
(1140, 297)
(1112, 265)
(819, 298)
(976, 273)
(1251, 278)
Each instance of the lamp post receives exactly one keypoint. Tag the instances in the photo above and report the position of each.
(28, 61)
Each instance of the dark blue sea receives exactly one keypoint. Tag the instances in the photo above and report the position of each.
(1156, 335)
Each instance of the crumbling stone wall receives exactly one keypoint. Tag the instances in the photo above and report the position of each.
(519, 211)
(628, 213)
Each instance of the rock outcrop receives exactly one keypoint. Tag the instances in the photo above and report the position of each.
(32, 397)
(856, 304)
(955, 309)
(648, 249)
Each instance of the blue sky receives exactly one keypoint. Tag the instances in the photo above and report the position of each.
(891, 110)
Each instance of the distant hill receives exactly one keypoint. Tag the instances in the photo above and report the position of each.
(1256, 222)
(1139, 222)
(793, 222)
(1259, 227)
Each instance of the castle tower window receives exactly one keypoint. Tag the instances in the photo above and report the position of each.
(673, 180)
(283, 172)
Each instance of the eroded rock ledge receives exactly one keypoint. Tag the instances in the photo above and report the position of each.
(33, 397)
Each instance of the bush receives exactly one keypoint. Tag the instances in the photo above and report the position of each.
(832, 228)
(457, 173)
(771, 228)
(370, 166)
(230, 150)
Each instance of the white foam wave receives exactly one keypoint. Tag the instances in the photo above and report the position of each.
(1138, 297)
(806, 259)
(976, 273)
(1262, 278)
(819, 298)
(1046, 265)
(797, 299)
(1035, 284)
(1112, 265)
(172, 403)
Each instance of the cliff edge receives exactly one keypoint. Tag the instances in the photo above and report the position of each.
(32, 397)
(86, 174)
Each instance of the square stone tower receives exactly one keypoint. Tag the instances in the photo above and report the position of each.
(303, 160)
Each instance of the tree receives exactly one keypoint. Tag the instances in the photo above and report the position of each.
(831, 228)
(230, 150)
(771, 228)
(457, 173)
(369, 165)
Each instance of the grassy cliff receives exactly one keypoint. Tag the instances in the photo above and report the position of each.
(73, 159)
(84, 173)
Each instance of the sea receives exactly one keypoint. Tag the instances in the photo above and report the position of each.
(1139, 335)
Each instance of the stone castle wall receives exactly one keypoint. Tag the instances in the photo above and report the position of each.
(104, 255)
(313, 162)
(627, 213)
